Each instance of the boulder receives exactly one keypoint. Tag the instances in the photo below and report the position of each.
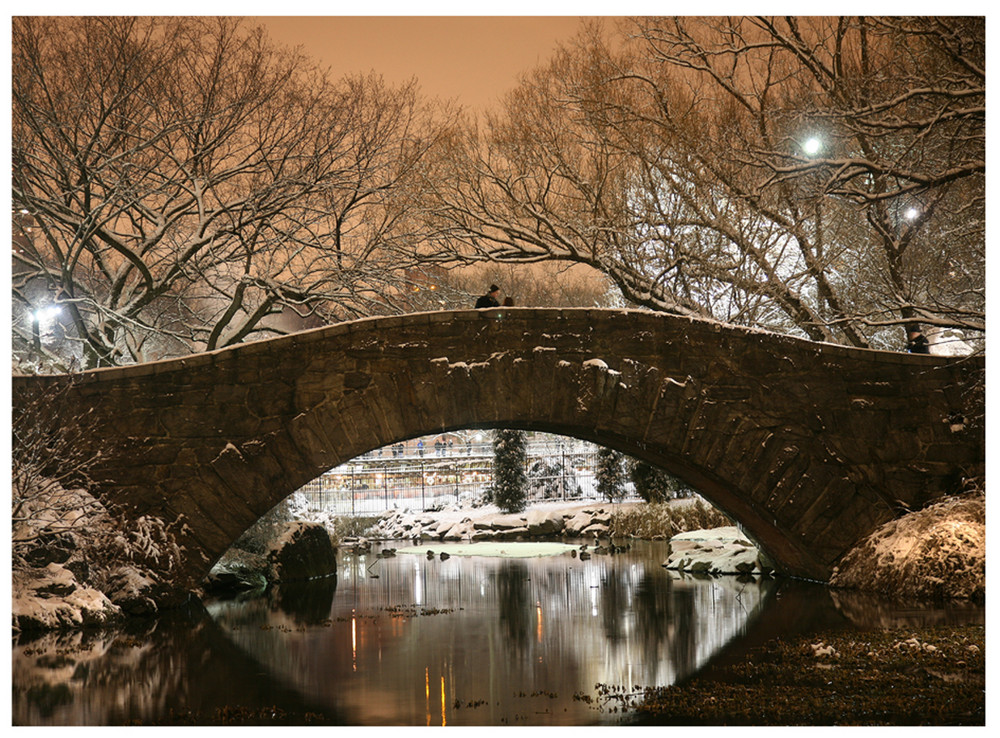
(544, 522)
(716, 551)
(510, 534)
(302, 551)
(459, 531)
(240, 571)
(500, 522)
(595, 530)
(574, 525)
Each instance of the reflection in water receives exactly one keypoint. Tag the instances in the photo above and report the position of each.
(180, 667)
(417, 641)
(512, 584)
(498, 641)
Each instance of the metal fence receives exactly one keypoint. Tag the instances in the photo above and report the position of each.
(429, 479)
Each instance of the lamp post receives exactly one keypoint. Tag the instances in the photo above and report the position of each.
(812, 147)
(36, 334)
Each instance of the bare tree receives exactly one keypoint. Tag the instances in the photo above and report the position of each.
(823, 177)
(181, 183)
(880, 118)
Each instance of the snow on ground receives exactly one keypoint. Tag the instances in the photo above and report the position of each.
(496, 549)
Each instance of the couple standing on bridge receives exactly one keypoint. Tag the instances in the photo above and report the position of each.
(489, 300)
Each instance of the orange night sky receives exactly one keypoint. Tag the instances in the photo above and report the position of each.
(475, 59)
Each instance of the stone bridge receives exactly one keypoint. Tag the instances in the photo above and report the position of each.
(809, 446)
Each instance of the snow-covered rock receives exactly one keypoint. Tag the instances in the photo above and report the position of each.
(931, 554)
(459, 531)
(52, 599)
(303, 551)
(716, 551)
(544, 522)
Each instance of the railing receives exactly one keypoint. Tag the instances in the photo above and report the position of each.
(379, 481)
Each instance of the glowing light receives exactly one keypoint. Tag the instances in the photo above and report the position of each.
(46, 314)
(911, 213)
(354, 641)
(812, 146)
(427, 693)
(444, 721)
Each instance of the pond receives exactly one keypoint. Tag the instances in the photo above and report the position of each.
(416, 640)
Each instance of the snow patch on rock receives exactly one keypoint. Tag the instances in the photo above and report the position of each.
(716, 551)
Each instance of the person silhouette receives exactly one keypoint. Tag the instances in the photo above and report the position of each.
(489, 300)
(916, 341)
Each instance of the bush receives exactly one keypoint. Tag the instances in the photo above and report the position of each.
(664, 520)
(54, 516)
(346, 526)
(937, 553)
(653, 484)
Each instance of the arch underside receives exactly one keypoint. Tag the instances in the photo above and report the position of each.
(773, 531)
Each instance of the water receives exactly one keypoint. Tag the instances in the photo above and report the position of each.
(417, 641)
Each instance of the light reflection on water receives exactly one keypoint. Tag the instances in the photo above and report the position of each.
(408, 638)
(414, 641)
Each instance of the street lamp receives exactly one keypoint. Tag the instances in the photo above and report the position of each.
(812, 146)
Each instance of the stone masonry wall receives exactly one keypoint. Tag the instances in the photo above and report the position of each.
(811, 446)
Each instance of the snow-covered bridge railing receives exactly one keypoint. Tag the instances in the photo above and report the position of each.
(810, 446)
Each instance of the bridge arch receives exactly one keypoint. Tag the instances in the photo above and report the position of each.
(810, 446)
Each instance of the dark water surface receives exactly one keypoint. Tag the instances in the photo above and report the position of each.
(417, 641)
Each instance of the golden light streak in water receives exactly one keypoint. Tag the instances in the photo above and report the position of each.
(354, 642)
(427, 693)
(444, 721)
(538, 615)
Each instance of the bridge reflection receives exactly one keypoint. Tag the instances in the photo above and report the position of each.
(412, 637)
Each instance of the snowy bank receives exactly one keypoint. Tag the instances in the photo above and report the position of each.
(488, 523)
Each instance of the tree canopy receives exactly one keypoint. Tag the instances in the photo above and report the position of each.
(820, 176)
(182, 182)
